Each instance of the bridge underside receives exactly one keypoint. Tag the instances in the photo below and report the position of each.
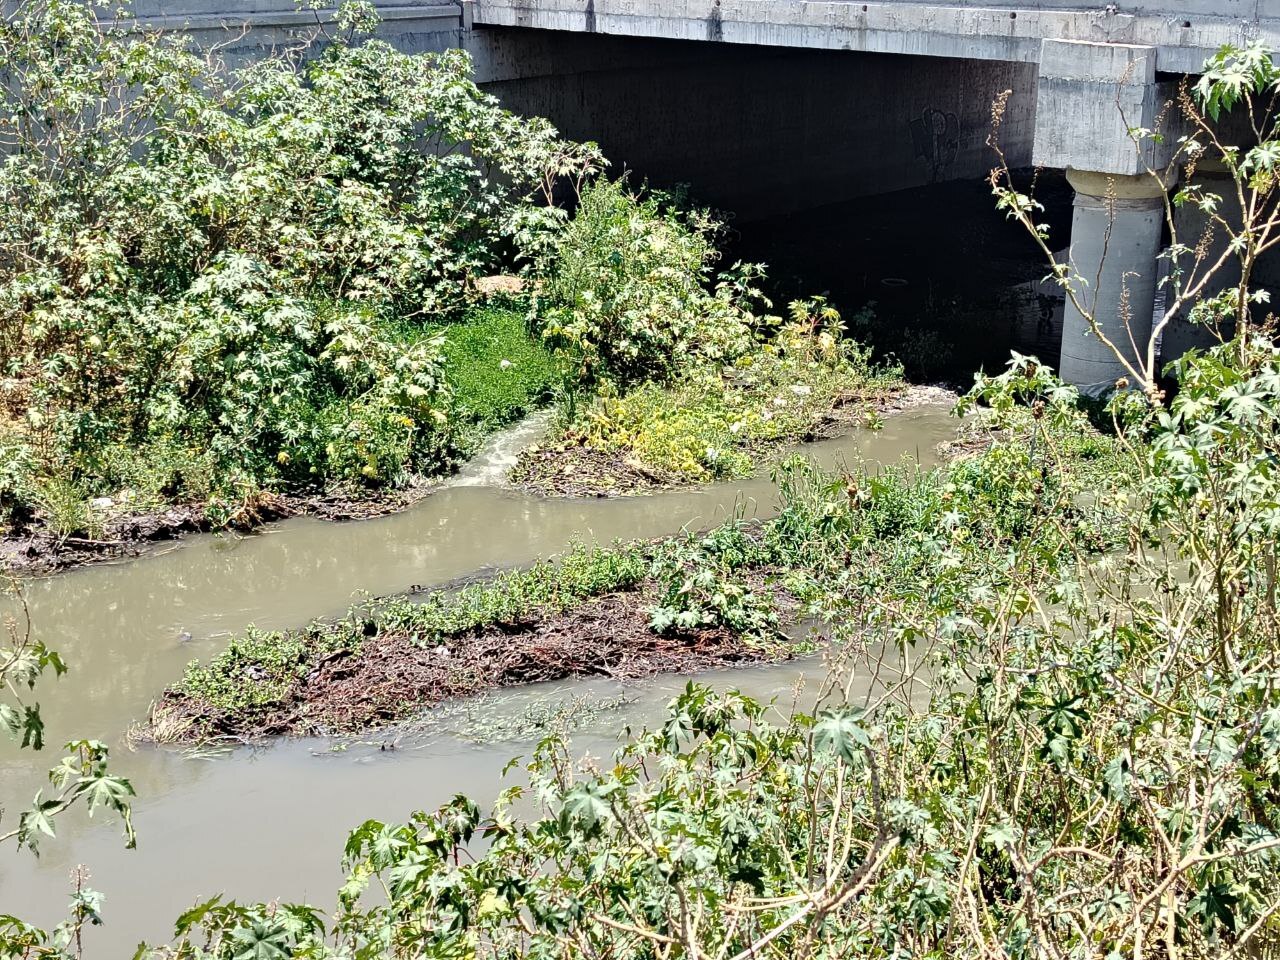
(758, 130)
(1184, 32)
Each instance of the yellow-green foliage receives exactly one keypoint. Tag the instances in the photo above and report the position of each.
(705, 425)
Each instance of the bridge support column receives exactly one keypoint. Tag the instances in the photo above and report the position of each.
(1089, 97)
(1115, 246)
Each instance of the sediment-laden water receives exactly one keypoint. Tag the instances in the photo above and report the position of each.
(270, 822)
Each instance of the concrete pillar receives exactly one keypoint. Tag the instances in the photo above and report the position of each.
(1090, 97)
(1195, 229)
(1115, 245)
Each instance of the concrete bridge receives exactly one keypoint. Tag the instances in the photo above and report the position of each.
(764, 103)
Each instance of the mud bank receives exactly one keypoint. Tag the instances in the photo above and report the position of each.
(34, 550)
(511, 458)
(394, 674)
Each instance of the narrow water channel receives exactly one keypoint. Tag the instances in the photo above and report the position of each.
(270, 822)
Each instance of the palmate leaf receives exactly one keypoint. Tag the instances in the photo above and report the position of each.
(840, 731)
(10, 719)
(260, 941)
(39, 819)
(32, 728)
(1214, 905)
(1116, 777)
(460, 818)
(585, 806)
(1000, 836)
(108, 791)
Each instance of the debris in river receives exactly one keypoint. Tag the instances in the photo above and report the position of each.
(391, 676)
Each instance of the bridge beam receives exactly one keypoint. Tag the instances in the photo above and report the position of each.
(1090, 97)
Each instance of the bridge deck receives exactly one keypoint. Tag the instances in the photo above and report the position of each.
(1184, 33)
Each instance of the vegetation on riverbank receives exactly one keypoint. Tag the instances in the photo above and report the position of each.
(1056, 758)
(238, 294)
(629, 611)
(1070, 748)
(717, 421)
(1068, 643)
(218, 284)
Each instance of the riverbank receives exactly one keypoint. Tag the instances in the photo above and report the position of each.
(677, 604)
(124, 534)
(565, 466)
(497, 372)
(573, 463)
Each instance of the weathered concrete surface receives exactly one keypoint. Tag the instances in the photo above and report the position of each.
(764, 131)
(1090, 96)
(243, 29)
(1115, 245)
(1182, 32)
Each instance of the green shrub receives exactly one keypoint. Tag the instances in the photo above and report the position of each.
(17, 463)
(707, 424)
(625, 289)
(701, 583)
(164, 470)
(235, 263)
(64, 507)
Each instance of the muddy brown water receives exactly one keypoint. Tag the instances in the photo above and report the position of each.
(270, 822)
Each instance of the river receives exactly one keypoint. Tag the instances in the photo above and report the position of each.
(269, 822)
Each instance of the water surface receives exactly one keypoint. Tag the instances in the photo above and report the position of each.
(270, 822)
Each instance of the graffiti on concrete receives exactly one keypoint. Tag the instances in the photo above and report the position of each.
(935, 134)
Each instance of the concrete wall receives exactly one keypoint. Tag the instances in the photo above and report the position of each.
(763, 130)
(1182, 32)
(244, 29)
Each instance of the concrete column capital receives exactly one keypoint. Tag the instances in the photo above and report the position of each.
(1211, 168)
(1141, 191)
(1091, 96)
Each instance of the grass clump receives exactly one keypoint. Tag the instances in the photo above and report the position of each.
(496, 369)
(709, 424)
(715, 420)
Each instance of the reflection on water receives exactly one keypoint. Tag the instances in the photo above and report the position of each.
(270, 822)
